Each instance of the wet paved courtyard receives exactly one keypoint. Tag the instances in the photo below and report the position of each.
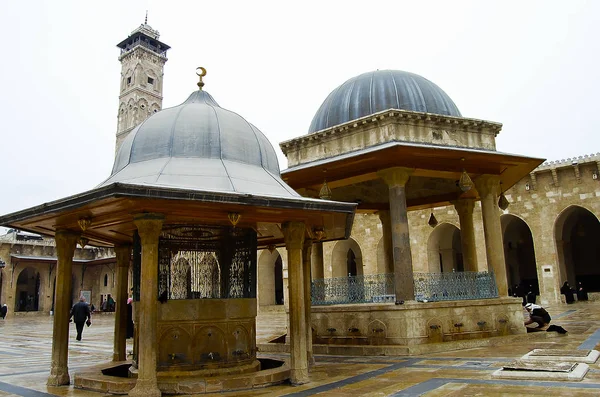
(26, 342)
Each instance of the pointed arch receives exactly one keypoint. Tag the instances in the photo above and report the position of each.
(139, 74)
(130, 113)
(381, 260)
(270, 273)
(180, 278)
(576, 232)
(122, 117)
(444, 251)
(519, 254)
(155, 107)
(346, 258)
(27, 291)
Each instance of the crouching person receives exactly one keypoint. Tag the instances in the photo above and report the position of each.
(537, 314)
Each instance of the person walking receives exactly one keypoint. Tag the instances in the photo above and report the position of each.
(3, 311)
(80, 312)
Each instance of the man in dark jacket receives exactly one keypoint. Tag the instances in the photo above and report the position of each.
(80, 312)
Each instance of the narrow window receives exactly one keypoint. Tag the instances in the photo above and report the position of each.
(129, 80)
(150, 80)
(106, 280)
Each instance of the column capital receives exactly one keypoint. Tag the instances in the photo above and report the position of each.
(464, 206)
(488, 184)
(66, 236)
(149, 225)
(293, 234)
(396, 176)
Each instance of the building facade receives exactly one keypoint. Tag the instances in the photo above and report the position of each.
(28, 273)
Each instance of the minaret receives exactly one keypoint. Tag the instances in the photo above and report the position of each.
(142, 61)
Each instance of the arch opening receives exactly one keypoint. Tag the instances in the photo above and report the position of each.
(27, 294)
(576, 231)
(519, 256)
(444, 250)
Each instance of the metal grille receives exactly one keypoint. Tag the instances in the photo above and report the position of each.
(455, 286)
(353, 289)
(379, 288)
(197, 262)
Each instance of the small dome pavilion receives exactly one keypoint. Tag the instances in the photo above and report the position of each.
(195, 191)
(393, 142)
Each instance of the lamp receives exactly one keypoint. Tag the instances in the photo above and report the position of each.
(83, 242)
(319, 233)
(502, 201)
(595, 175)
(84, 223)
(465, 183)
(527, 187)
(432, 221)
(234, 218)
(325, 192)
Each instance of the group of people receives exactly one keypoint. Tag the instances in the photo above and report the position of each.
(528, 293)
(569, 293)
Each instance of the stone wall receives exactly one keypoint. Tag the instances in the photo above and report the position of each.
(42, 249)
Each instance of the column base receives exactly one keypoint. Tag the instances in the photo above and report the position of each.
(299, 376)
(59, 376)
(119, 357)
(145, 388)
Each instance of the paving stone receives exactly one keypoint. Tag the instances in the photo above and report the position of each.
(26, 347)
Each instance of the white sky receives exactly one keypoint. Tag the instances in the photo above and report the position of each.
(531, 65)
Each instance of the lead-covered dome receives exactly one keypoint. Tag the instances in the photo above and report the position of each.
(380, 90)
(199, 145)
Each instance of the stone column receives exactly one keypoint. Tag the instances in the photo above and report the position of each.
(149, 227)
(488, 187)
(317, 261)
(386, 228)
(396, 179)
(294, 238)
(119, 342)
(306, 270)
(464, 208)
(66, 241)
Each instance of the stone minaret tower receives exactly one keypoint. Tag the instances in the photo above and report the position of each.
(142, 59)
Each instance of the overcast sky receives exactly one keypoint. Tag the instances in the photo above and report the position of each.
(531, 65)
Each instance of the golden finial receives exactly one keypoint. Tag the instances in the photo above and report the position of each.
(201, 74)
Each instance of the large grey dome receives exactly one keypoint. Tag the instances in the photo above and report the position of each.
(380, 90)
(199, 145)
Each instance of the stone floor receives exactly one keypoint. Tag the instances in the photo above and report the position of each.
(26, 347)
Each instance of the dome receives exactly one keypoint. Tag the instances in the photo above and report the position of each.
(380, 90)
(199, 145)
